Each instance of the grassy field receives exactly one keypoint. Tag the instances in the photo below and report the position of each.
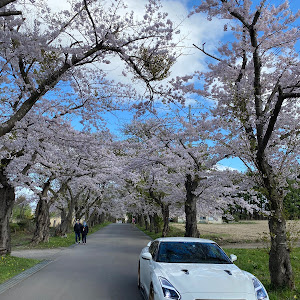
(254, 261)
(242, 232)
(10, 266)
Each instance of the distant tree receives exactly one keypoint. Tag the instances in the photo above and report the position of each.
(181, 168)
(292, 201)
(22, 209)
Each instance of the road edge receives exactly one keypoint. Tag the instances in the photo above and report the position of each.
(23, 275)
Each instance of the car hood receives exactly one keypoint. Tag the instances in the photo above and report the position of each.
(206, 278)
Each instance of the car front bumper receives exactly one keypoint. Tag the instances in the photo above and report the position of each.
(210, 296)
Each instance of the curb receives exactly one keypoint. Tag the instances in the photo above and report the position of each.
(22, 276)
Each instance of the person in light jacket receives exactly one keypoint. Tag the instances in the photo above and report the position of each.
(84, 232)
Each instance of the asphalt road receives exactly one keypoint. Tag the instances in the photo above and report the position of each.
(103, 269)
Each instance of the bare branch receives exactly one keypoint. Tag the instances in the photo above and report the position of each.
(210, 55)
(93, 23)
(10, 13)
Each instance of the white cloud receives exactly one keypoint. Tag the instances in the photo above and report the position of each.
(194, 30)
(225, 168)
(58, 5)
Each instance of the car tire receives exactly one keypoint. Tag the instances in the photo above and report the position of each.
(139, 276)
(151, 293)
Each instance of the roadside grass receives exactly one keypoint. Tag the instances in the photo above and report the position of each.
(173, 232)
(11, 266)
(21, 240)
(255, 261)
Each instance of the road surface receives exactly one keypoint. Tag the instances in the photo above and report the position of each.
(103, 269)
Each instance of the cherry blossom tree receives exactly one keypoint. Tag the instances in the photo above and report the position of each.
(180, 167)
(55, 65)
(78, 165)
(254, 80)
(60, 48)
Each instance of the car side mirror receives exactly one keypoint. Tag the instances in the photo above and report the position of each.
(149, 244)
(147, 256)
(233, 257)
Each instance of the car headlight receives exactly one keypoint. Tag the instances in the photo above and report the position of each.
(168, 289)
(260, 291)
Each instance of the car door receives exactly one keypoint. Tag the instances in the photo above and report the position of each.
(147, 267)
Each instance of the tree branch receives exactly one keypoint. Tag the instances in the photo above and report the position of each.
(46, 84)
(10, 13)
(210, 55)
(272, 122)
(93, 23)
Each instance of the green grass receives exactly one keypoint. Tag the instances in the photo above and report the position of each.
(255, 261)
(173, 232)
(21, 240)
(11, 266)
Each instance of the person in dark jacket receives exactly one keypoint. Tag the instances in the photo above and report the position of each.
(84, 232)
(77, 230)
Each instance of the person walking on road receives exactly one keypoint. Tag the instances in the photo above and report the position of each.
(77, 230)
(84, 232)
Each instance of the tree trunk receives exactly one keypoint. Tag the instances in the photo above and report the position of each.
(102, 218)
(42, 216)
(190, 207)
(141, 220)
(61, 228)
(166, 215)
(7, 199)
(146, 222)
(156, 223)
(93, 219)
(66, 223)
(151, 227)
(87, 214)
(279, 258)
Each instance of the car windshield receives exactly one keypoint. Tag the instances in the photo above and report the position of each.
(191, 252)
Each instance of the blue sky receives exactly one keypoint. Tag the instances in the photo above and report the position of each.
(196, 30)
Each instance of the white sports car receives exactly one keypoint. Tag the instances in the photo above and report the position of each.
(194, 269)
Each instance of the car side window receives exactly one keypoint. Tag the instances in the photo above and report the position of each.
(153, 249)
